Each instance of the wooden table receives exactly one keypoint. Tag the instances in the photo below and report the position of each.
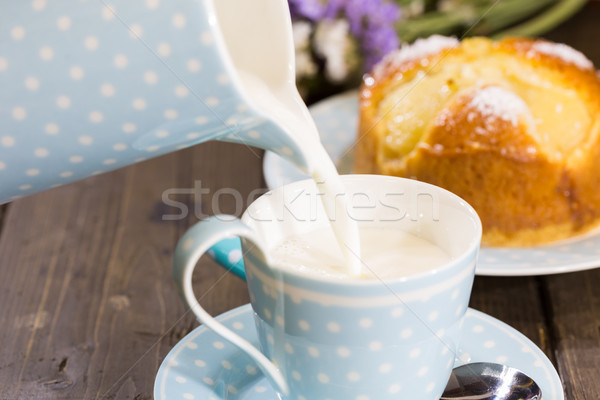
(88, 310)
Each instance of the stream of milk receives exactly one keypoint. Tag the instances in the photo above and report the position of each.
(259, 39)
(294, 118)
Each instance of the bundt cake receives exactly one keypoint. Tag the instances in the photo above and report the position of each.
(510, 126)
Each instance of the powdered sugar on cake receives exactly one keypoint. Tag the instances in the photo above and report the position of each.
(495, 103)
(419, 49)
(562, 51)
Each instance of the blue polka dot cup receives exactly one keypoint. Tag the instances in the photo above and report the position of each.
(325, 338)
(89, 87)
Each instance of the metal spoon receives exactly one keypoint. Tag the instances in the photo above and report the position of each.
(488, 381)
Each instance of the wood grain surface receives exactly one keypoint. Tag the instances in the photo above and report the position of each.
(88, 307)
(88, 310)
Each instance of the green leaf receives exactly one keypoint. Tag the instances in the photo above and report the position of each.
(546, 21)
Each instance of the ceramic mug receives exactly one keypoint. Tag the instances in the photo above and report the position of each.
(325, 338)
(88, 87)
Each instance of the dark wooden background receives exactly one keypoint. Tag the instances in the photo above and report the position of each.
(88, 310)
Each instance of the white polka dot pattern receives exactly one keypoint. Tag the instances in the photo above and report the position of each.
(207, 372)
(103, 81)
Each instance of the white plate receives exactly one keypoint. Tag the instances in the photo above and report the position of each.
(203, 366)
(337, 120)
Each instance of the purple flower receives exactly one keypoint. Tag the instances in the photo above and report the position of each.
(312, 10)
(335, 9)
(371, 22)
(376, 43)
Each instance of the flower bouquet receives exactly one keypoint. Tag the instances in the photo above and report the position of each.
(337, 41)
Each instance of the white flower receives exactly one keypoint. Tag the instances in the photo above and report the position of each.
(301, 32)
(305, 66)
(332, 41)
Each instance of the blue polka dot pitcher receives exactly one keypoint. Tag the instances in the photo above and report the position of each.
(340, 338)
(90, 86)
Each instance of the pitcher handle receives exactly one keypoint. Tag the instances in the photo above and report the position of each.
(194, 243)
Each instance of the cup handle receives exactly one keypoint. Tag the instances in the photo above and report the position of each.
(194, 243)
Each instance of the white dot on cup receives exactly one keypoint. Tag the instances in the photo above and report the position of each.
(85, 140)
(232, 389)
(323, 378)
(211, 101)
(267, 313)
(385, 368)
(296, 299)
(120, 61)
(303, 325)
(19, 113)
(254, 134)
(289, 349)
(206, 38)
(218, 345)
(353, 376)
(343, 352)
(397, 312)
(365, 322)
(395, 388)
(238, 325)
(375, 346)
(194, 65)
(251, 370)
(313, 352)
(226, 364)
(406, 333)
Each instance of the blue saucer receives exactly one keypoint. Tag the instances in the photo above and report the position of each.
(203, 366)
